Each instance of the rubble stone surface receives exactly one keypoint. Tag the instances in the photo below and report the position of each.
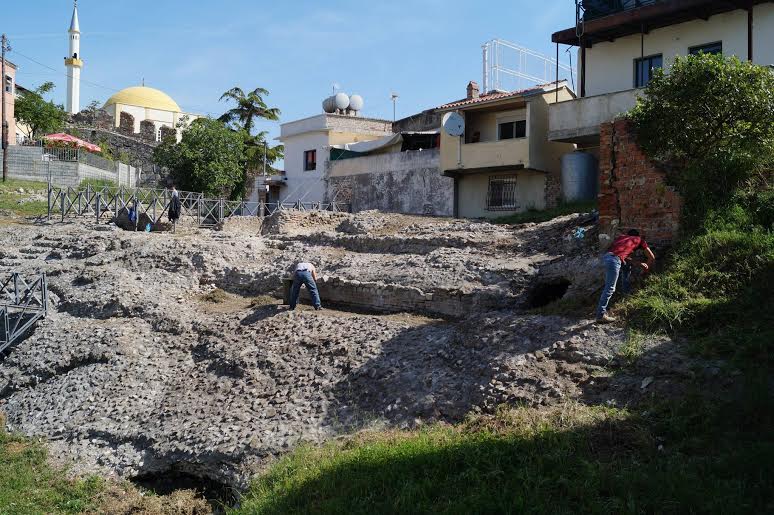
(137, 370)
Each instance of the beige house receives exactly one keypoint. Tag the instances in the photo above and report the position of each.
(622, 42)
(9, 84)
(504, 163)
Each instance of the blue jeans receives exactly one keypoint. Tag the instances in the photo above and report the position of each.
(615, 272)
(304, 277)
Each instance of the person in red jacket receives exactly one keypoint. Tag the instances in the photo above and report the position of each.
(618, 267)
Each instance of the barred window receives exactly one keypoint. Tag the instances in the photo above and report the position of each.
(501, 195)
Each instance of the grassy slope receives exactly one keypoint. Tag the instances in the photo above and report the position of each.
(29, 485)
(571, 459)
(9, 198)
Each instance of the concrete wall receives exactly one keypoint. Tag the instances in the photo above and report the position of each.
(26, 163)
(579, 119)
(472, 192)
(398, 182)
(610, 65)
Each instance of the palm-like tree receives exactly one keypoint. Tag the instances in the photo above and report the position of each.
(248, 107)
(241, 117)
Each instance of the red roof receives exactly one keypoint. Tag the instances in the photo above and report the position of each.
(497, 95)
(67, 138)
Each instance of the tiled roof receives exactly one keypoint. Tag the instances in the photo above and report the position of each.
(497, 95)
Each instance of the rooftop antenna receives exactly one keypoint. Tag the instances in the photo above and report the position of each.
(336, 86)
(394, 98)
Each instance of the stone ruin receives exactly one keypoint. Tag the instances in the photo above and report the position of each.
(180, 358)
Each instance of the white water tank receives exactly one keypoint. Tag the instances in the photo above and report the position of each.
(356, 103)
(579, 176)
(342, 101)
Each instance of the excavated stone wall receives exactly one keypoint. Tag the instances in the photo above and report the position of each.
(633, 191)
(167, 352)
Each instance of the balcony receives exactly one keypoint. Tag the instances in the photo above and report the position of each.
(577, 121)
(484, 156)
(594, 9)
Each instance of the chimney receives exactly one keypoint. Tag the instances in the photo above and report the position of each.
(472, 90)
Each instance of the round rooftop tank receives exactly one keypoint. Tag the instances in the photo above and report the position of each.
(356, 103)
(342, 101)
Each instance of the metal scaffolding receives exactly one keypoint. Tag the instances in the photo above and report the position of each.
(22, 304)
(103, 204)
(508, 66)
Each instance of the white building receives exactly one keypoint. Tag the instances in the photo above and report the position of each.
(619, 46)
(144, 104)
(73, 64)
(308, 144)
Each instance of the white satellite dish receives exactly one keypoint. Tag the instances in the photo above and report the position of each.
(453, 124)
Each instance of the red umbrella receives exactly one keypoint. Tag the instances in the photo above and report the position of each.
(61, 136)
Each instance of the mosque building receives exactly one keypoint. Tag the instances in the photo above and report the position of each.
(131, 106)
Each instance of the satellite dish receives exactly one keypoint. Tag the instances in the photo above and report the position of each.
(453, 124)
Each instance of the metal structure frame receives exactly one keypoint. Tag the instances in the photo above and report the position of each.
(105, 203)
(22, 304)
(503, 60)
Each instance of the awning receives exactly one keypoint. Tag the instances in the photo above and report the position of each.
(362, 147)
(61, 136)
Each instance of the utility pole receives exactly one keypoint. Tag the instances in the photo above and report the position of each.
(4, 47)
(264, 158)
(394, 97)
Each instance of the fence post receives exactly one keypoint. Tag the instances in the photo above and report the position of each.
(220, 210)
(63, 193)
(49, 201)
(261, 208)
(199, 210)
(99, 205)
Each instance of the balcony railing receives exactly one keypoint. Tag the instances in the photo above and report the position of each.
(594, 9)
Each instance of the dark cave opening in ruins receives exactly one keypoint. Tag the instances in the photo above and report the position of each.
(545, 293)
(166, 482)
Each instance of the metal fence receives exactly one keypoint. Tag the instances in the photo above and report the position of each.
(107, 202)
(22, 304)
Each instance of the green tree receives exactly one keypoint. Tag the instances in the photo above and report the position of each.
(249, 108)
(209, 158)
(711, 120)
(38, 117)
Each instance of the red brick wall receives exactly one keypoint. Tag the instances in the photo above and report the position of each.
(633, 193)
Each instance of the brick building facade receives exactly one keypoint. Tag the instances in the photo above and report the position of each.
(633, 191)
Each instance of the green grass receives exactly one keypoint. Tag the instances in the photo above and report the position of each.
(571, 459)
(9, 198)
(97, 184)
(717, 290)
(29, 485)
(536, 216)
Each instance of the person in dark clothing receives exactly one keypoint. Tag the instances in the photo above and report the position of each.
(174, 205)
(618, 268)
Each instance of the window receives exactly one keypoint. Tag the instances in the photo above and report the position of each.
(501, 195)
(310, 160)
(643, 69)
(158, 134)
(511, 130)
(709, 48)
(8, 84)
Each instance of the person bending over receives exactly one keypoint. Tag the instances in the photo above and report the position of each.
(618, 266)
(305, 273)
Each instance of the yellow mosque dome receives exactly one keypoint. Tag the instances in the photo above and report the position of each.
(144, 96)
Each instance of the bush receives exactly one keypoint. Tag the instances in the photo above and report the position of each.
(710, 120)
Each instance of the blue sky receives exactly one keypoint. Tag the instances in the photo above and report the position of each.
(425, 50)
